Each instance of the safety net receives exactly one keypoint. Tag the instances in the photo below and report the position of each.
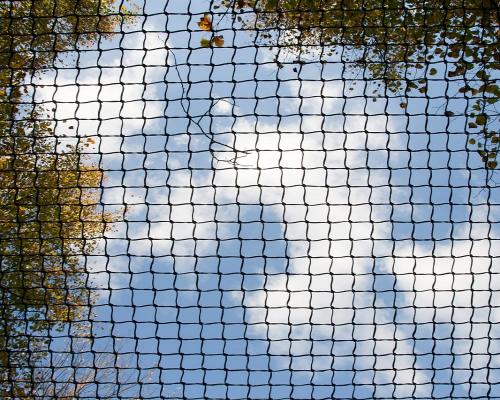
(249, 199)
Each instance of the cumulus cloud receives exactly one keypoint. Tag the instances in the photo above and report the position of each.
(344, 284)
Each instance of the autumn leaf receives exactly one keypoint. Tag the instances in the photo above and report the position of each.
(205, 42)
(205, 23)
(218, 41)
(481, 119)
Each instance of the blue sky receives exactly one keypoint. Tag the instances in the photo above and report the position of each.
(349, 253)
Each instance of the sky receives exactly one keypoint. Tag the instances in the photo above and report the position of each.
(283, 236)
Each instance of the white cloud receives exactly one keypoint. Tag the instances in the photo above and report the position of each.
(311, 174)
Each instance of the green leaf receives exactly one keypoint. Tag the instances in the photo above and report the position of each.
(205, 42)
(481, 119)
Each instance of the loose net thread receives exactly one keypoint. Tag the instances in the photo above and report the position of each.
(188, 220)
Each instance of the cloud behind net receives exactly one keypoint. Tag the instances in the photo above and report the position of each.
(328, 261)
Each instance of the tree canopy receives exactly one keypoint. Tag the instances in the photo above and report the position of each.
(49, 198)
(49, 218)
(33, 33)
(406, 44)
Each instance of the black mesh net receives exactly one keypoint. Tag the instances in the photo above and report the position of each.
(241, 199)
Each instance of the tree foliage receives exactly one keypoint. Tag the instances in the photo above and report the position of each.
(49, 199)
(49, 218)
(408, 45)
(33, 33)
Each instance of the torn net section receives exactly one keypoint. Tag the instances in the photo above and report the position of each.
(281, 199)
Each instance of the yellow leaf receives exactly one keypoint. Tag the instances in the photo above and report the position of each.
(205, 23)
(218, 41)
